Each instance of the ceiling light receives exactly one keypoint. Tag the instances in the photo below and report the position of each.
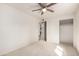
(44, 10)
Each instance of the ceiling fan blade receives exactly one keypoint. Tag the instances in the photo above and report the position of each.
(50, 10)
(50, 4)
(41, 5)
(36, 10)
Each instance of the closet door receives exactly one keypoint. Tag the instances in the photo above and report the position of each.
(66, 32)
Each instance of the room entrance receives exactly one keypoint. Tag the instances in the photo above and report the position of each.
(43, 29)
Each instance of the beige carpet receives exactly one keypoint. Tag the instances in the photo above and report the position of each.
(42, 48)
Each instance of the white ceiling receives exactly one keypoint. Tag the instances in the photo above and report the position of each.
(60, 9)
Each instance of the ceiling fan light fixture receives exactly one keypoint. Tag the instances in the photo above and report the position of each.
(44, 10)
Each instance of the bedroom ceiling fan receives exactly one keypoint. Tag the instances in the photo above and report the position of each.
(44, 7)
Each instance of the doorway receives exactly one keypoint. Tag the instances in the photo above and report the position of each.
(66, 31)
(43, 31)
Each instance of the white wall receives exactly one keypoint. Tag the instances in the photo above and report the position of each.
(17, 29)
(66, 33)
(76, 30)
(53, 30)
(53, 27)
